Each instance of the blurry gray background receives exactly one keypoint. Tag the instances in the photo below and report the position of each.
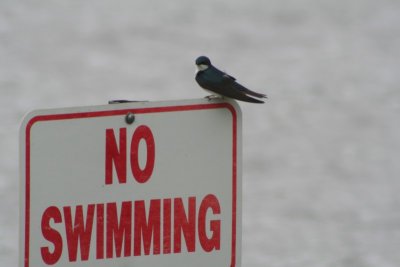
(320, 158)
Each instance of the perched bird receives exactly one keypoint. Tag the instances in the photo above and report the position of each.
(221, 84)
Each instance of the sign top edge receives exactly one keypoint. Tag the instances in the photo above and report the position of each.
(31, 117)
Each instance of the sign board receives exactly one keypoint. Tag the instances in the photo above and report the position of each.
(164, 190)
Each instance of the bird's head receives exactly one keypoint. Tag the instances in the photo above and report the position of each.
(203, 63)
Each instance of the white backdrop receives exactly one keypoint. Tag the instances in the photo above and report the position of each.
(321, 171)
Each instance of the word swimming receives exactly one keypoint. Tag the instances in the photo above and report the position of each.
(130, 228)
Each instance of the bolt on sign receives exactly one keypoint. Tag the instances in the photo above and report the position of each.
(162, 188)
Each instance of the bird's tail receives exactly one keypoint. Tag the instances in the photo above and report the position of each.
(250, 99)
(243, 89)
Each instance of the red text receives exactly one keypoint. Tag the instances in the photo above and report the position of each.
(131, 228)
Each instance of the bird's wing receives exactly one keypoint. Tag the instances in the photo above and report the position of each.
(221, 76)
(243, 89)
(228, 78)
(240, 95)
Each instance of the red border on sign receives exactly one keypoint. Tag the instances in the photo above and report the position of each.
(93, 114)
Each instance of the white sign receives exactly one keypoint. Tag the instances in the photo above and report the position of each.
(164, 190)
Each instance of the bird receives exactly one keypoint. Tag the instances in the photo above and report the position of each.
(221, 84)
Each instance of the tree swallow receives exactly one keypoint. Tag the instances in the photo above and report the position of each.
(221, 84)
